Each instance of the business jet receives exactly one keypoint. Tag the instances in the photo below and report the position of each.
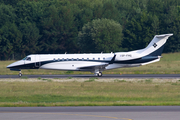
(95, 63)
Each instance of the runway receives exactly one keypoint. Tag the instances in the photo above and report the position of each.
(160, 76)
(89, 113)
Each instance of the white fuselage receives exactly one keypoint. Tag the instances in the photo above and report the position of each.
(73, 61)
(80, 62)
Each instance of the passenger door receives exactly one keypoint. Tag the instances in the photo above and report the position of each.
(37, 61)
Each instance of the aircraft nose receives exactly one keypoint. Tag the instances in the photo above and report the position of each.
(9, 66)
(15, 65)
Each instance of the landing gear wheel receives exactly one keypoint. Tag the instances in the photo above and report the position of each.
(20, 74)
(99, 74)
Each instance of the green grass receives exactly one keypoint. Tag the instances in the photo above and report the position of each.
(69, 77)
(169, 64)
(48, 80)
(116, 80)
(88, 93)
(24, 77)
(91, 79)
(148, 81)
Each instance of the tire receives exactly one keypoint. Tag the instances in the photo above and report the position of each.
(99, 74)
(20, 75)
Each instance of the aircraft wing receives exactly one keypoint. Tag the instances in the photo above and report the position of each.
(94, 67)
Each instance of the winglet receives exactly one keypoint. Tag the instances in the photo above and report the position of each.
(112, 60)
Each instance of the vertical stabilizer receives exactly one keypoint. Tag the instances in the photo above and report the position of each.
(156, 46)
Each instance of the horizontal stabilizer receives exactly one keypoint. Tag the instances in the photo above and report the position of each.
(164, 35)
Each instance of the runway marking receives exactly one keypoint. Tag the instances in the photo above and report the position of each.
(74, 115)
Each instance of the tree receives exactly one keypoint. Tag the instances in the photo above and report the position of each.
(7, 14)
(30, 37)
(83, 17)
(30, 11)
(138, 32)
(10, 36)
(110, 11)
(11, 2)
(100, 35)
(10, 41)
(59, 29)
(171, 25)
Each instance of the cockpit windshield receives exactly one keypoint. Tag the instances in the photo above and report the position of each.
(27, 58)
(24, 58)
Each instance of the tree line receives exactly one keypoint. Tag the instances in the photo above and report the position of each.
(76, 26)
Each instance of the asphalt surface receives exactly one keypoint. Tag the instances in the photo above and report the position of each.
(89, 113)
(161, 76)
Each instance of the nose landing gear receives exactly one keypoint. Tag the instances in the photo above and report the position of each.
(20, 74)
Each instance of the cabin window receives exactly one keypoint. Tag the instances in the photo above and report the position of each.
(98, 58)
(54, 59)
(93, 58)
(82, 58)
(58, 59)
(87, 58)
(28, 59)
(62, 59)
(77, 59)
(103, 58)
(72, 59)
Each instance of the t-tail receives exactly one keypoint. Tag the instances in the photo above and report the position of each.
(156, 46)
(152, 53)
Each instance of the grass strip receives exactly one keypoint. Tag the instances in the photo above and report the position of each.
(114, 93)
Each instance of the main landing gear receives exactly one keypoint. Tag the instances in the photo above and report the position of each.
(99, 74)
